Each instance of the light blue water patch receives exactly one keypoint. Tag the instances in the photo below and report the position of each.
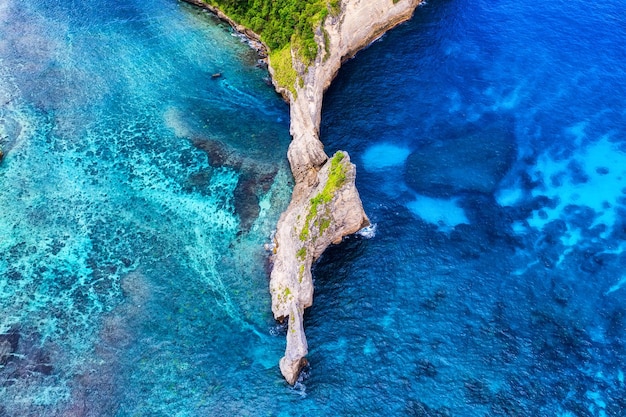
(384, 156)
(600, 404)
(445, 214)
(594, 177)
(510, 196)
(519, 227)
(369, 348)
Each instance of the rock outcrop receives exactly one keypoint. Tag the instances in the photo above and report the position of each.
(320, 213)
(325, 204)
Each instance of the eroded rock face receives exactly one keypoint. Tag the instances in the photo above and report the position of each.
(323, 214)
(325, 204)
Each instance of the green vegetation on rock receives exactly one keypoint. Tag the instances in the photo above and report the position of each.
(336, 178)
(282, 24)
(284, 73)
(301, 273)
(324, 224)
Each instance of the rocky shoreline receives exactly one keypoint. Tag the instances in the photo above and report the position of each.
(325, 204)
(254, 40)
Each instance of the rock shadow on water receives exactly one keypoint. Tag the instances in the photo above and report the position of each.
(255, 178)
(25, 359)
(473, 157)
(10, 130)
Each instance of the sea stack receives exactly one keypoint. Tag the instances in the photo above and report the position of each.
(325, 204)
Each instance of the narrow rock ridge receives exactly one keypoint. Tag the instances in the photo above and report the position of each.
(325, 204)
(324, 208)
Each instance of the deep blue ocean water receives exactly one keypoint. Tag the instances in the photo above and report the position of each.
(137, 191)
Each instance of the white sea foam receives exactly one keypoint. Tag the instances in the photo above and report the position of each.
(367, 232)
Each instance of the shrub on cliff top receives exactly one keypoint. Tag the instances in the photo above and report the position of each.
(282, 22)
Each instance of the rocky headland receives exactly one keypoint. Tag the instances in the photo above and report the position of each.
(325, 204)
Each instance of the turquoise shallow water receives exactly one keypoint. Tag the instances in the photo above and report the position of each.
(137, 192)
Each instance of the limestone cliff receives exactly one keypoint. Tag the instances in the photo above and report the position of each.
(321, 212)
(325, 204)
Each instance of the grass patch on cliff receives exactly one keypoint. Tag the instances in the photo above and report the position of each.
(284, 73)
(324, 224)
(334, 7)
(336, 178)
(301, 273)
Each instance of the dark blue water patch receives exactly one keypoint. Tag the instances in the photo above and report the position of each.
(440, 164)
(474, 323)
(509, 304)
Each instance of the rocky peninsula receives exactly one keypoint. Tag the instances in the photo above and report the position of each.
(325, 204)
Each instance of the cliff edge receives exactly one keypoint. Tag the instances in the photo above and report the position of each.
(325, 204)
